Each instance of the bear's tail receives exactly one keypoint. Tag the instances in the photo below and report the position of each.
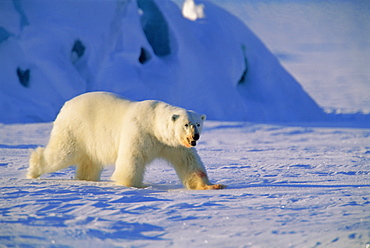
(36, 163)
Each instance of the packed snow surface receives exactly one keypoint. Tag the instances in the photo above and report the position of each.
(306, 184)
(287, 187)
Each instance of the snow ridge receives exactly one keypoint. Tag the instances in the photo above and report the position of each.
(144, 50)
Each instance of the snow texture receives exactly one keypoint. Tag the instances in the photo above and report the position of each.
(192, 11)
(297, 184)
(53, 51)
(287, 187)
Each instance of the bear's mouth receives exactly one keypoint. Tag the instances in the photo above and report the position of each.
(191, 143)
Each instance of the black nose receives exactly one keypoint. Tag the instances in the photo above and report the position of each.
(196, 136)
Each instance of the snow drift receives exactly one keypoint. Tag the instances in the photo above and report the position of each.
(211, 62)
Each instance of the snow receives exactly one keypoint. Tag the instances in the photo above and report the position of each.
(323, 45)
(287, 187)
(192, 11)
(144, 50)
(296, 175)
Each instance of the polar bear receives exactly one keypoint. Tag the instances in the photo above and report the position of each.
(98, 128)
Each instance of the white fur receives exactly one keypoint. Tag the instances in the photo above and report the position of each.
(97, 129)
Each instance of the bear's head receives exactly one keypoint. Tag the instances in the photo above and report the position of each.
(188, 126)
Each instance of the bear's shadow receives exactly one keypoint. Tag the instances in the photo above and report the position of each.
(150, 186)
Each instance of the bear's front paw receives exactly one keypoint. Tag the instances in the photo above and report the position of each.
(31, 175)
(215, 186)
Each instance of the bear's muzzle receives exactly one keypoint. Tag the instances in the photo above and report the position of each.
(191, 139)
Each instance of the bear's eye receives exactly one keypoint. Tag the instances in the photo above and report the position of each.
(198, 125)
(186, 125)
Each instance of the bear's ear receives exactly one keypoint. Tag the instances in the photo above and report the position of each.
(203, 117)
(174, 117)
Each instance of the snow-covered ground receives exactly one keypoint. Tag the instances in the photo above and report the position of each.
(288, 186)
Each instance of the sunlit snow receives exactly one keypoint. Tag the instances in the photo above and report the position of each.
(296, 159)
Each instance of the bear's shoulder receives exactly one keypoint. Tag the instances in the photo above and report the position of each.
(161, 108)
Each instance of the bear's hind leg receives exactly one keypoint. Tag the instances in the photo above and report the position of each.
(89, 171)
(46, 160)
(58, 154)
(36, 163)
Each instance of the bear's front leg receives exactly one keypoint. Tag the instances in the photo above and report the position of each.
(189, 168)
(198, 180)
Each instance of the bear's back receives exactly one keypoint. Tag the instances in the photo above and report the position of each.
(93, 117)
(92, 111)
(94, 104)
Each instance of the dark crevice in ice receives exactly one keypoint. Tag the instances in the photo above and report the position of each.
(144, 56)
(24, 77)
(18, 7)
(242, 79)
(155, 27)
(78, 50)
(4, 34)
